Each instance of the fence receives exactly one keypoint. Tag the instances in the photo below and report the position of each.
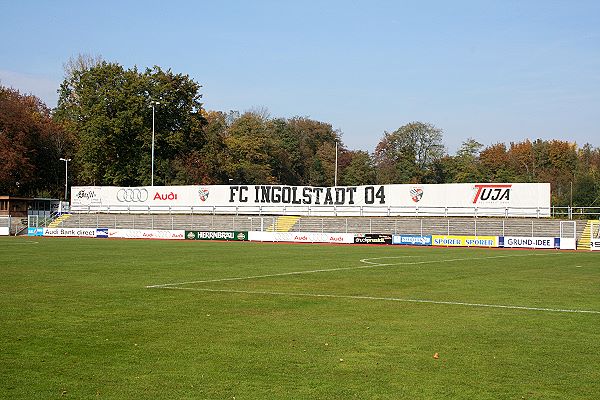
(576, 212)
(360, 211)
(40, 221)
(396, 225)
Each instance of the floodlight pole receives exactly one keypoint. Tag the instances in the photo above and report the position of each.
(153, 104)
(336, 164)
(66, 160)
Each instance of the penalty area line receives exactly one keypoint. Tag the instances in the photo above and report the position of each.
(366, 261)
(394, 299)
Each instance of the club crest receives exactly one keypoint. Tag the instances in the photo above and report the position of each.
(203, 193)
(416, 193)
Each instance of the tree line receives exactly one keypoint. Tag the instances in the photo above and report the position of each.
(104, 120)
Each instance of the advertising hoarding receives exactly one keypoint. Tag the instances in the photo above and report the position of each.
(464, 241)
(529, 242)
(502, 199)
(372, 238)
(68, 232)
(146, 234)
(212, 235)
(412, 240)
(301, 237)
(74, 232)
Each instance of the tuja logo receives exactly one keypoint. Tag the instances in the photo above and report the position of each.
(492, 192)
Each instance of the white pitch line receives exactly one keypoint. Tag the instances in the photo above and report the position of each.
(397, 299)
(177, 286)
(366, 260)
(314, 271)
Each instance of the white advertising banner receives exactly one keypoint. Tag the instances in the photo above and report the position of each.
(146, 234)
(301, 237)
(4, 231)
(595, 245)
(500, 199)
(530, 242)
(75, 232)
(568, 243)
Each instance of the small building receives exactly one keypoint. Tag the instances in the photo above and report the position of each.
(15, 212)
(22, 207)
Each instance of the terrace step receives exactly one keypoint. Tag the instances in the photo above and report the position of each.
(283, 224)
(584, 240)
(59, 221)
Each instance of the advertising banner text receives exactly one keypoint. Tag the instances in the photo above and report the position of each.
(465, 241)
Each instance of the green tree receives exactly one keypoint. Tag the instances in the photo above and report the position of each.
(248, 151)
(466, 167)
(587, 177)
(407, 154)
(107, 108)
(314, 155)
(205, 165)
(289, 163)
(586, 190)
(360, 169)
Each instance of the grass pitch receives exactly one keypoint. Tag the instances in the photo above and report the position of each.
(86, 318)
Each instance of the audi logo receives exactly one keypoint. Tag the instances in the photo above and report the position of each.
(132, 195)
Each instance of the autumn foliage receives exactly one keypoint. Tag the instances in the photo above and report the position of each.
(104, 123)
(31, 144)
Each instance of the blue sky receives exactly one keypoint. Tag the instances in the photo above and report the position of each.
(495, 71)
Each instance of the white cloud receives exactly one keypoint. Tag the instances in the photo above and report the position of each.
(40, 86)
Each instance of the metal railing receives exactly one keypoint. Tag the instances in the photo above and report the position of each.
(576, 212)
(397, 225)
(325, 211)
(358, 211)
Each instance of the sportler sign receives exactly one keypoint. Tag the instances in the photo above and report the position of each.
(463, 199)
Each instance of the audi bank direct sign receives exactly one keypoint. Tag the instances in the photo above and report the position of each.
(532, 198)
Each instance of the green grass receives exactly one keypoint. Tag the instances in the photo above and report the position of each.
(77, 321)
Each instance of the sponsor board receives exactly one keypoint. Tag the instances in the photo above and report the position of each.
(372, 238)
(500, 199)
(464, 241)
(146, 234)
(301, 237)
(220, 235)
(35, 231)
(529, 242)
(412, 240)
(102, 232)
(70, 232)
(595, 245)
(4, 231)
(568, 243)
